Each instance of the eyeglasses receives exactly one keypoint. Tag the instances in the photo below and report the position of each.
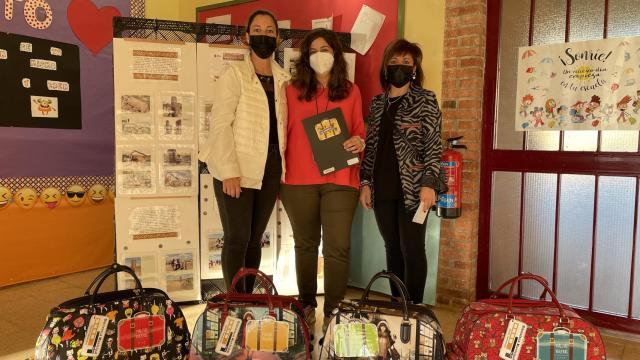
(79, 194)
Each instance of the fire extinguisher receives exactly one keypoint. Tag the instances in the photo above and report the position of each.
(450, 203)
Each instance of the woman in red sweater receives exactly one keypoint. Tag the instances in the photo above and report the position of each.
(321, 204)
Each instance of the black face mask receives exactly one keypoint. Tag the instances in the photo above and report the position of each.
(399, 75)
(262, 45)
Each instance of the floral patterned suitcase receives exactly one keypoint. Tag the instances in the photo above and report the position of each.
(512, 329)
(142, 323)
(251, 326)
(373, 329)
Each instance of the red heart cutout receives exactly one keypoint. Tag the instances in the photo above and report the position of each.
(92, 26)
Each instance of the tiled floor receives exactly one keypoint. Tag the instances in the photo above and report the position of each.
(23, 309)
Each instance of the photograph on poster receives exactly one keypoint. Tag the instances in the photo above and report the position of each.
(182, 282)
(176, 106)
(215, 262)
(142, 265)
(135, 103)
(135, 126)
(266, 239)
(216, 240)
(176, 128)
(178, 262)
(171, 107)
(136, 157)
(177, 179)
(154, 222)
(177, 157)
(133, 180)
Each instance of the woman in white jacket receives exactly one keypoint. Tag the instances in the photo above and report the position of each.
(245, 147)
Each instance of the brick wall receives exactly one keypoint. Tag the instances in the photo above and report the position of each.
(462, 88)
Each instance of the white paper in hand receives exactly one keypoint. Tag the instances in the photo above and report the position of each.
(420, 215)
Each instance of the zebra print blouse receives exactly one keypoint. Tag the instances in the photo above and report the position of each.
(416, 136)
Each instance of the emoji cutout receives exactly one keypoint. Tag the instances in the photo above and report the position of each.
(5, 197)
(51, 197)
(26, 198)
(97, 193)
(75, 195)
(112, 193)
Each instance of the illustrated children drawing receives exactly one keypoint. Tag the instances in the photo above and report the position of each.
(537, 117)
(622, 106)
(527, 100)
(577, 112)
(549, 108)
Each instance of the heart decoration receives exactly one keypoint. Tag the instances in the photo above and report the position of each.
(92, 26)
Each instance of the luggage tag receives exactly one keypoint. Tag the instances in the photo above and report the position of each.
(96, 331)
(514, 338)
(267, 334)
(356, 339)
(228, 335)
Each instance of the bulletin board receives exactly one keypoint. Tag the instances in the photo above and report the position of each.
(344, 13)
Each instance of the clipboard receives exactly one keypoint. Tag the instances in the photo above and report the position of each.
(327, 132)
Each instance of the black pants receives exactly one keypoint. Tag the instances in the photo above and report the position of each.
(404, 241)
(245, 219)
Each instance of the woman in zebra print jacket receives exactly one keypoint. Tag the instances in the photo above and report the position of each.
(402, 161)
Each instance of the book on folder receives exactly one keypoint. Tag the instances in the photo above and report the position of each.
(327, 132)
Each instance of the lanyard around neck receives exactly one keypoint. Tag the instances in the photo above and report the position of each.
(325, 108)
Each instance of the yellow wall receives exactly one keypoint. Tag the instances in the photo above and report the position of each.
(424, 24)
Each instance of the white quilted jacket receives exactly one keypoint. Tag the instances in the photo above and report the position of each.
(239, 132)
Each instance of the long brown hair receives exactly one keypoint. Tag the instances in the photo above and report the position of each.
(305, 78)
(401, 47)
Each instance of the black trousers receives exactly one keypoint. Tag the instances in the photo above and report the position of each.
(404, 241)
(245, 219)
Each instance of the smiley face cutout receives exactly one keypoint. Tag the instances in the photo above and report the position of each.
(75, 195)
(97, 193)
(26, 198)
(51, 197)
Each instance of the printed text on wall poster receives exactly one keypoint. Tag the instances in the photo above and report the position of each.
(587, 85)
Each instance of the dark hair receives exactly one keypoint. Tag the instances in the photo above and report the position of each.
(261, 12)
(401, 47)
(305, 79)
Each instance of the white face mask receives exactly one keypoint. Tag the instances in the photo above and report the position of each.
(321, 62)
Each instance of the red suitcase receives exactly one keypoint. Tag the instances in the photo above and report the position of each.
(480, 332)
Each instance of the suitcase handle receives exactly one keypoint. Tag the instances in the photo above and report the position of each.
(399, 285)
(515, 278)
(245, 272)
(114, 269)
(542, 281)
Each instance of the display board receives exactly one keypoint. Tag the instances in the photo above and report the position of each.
(156, 164)
(49, 75)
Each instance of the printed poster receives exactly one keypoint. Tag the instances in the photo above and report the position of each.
(586, 85)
